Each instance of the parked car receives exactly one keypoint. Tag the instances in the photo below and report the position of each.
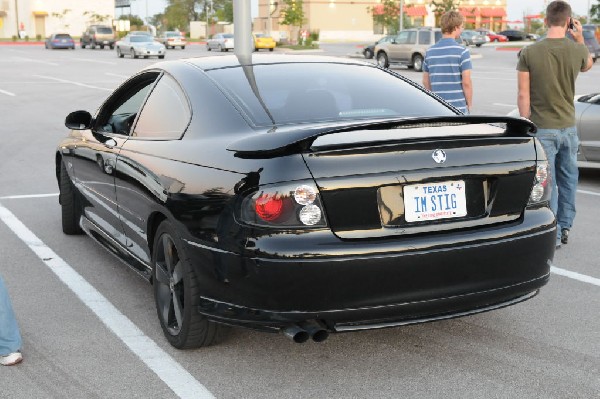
(140, 46)
(493, 36)
(407, 48)
(591, 43)
(263, 41)
(587, 117)
(220, 42)
(172, 39)
(594, 28)
(60, 40)
(473, 38)
(369, 51)
(98, 35)
(286, 195)
(533, 36)
(514, 35)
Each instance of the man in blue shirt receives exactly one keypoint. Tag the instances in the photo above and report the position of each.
(447, 66)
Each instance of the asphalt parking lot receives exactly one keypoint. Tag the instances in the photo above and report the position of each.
(89, 323)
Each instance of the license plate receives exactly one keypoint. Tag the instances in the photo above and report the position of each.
(434, 201)
(106, 42)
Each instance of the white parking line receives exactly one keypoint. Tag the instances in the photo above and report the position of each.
(96, 61)
(35, 61)
(177, 378)
(30, 196)
(588, 192)
(505, 105)
(8, 93)
(71, 82)
(117, 75)
(575, 276)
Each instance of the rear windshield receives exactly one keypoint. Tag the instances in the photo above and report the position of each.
(141, 38)
(62, 36)
(588, 34)
(228, 35)
(173, 34)
(104, 30)
(312, 92)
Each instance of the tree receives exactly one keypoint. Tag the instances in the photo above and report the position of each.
(386, 15)
(61, 16)
(133, 20)
(293, 15)
(595, 12)
(442, 6)
(95, 17)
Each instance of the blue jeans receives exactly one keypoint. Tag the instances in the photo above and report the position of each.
(10, 339)
(561, 147)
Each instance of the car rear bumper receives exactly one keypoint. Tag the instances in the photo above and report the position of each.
(349, 284)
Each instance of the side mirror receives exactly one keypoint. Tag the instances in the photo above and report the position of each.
(79, 120)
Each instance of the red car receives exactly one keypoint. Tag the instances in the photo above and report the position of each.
(494, 37)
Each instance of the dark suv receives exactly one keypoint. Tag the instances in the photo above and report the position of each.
(98, 35)
(408, 47)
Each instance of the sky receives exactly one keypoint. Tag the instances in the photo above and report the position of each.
(515, 8)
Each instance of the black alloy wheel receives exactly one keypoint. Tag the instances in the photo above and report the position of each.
(368, 54)
(70, 203)
(177, 294)
(119, 53)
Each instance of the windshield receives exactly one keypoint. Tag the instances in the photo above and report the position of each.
(588, 34)
(141, 38)
(105, 31)
(312, 92)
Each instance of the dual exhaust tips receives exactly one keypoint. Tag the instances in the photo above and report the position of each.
(301, 332)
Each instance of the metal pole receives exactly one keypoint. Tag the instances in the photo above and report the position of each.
(206, 10)
(17, 17)
(401, 15)
(242, 34)
(589, 13)
(269, 26)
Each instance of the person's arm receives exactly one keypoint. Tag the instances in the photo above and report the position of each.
(467, 86)
(524, 99)
(426, 82)
(577, 34)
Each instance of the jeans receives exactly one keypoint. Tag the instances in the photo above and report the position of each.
(10, 339)
(561, 147)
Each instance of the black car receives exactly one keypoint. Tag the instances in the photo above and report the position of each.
(282, 193)
(514, 35)
(369, 51)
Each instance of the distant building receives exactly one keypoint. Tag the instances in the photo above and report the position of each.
(353, 20)
(40, 18)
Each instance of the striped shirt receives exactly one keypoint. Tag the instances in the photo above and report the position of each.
(445, 61)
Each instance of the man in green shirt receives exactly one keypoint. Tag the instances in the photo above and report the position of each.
(547, 71)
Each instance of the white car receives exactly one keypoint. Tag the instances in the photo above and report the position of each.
(220, 42)
(172, 39)
(140, 46)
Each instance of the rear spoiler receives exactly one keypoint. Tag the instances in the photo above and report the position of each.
(269, 145)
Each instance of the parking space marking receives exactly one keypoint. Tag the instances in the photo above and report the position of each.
(505, 105)
(117, 75)
(36, 61)
(175, 376)
(8, 93)
(72, 83)
(588, 192)
(30, 196)
(575, 275)
(96, 61)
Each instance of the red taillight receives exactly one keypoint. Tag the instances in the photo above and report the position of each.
(269, 207)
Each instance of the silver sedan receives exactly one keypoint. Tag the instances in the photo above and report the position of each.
(140, 46)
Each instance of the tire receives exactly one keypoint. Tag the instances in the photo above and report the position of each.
(177, 293)
(183, 47)
(82, 44)
(119, 53)
(132, 52)
(160, 57)
(112, 46)
(478, 45)
(70, 203)
(271, 49)
(220, 48)
(368, 53)
(207, 47)
(417, 62)
(382, 60)
(93, 46)
(102, 47)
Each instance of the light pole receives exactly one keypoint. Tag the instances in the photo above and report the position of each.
(17, 17)
(401, 15)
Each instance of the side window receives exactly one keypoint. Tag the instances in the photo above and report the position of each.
(402, 38)
(119, 111)
(438, 36)
(166, 113)
(424, 37)
(412, 37)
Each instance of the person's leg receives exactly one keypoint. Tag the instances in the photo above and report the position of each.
(10, 338)
(568, 175)
(549, 138)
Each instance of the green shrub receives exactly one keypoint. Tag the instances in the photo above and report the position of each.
(14, 38)
(26, 38)
(38, 37)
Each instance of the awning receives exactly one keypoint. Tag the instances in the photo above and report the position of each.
(40, 13)
(2, 13)
(487, 12)
(536, 16)
(415, 11)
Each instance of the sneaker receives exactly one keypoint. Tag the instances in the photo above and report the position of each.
(11, 359)
(564, 236)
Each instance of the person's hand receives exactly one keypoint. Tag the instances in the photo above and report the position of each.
(577, 33)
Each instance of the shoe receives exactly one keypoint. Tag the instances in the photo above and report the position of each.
(558, 243)
(11, 359)
(564, 236)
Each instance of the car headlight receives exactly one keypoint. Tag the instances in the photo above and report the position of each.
(295, 205)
